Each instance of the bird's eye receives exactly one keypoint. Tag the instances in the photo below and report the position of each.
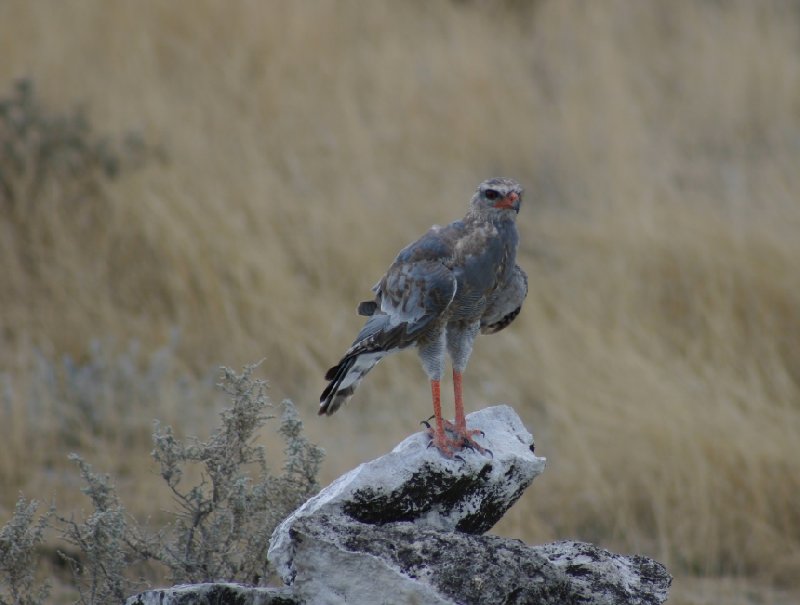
(491, 194)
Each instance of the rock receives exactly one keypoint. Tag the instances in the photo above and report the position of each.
(407, 528)
(414, 483)
(403, 563)
(217, 593)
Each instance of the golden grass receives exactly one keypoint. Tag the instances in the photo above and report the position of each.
(657, 358)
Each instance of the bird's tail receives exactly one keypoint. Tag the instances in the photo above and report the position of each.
(376, 340)
(345, 377)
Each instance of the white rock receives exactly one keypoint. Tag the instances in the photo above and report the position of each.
(219, 593)
(416, 483)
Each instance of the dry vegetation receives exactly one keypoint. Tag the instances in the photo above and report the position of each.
(657, 360)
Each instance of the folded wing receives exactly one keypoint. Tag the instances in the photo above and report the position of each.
(410, 301)
(505, 302)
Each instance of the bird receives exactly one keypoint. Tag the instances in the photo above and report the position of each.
(441, 291)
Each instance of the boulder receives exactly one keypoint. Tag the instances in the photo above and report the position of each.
(401, 563)
(414, 483)
(214, 593)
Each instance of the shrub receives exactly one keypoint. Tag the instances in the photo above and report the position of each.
(222, 524)
(40, 149)
(19, 539)
(107, 540)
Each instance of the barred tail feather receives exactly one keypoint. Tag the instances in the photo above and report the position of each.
(345, 377)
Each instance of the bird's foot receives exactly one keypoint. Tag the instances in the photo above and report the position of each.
(440, 442)
(465, 439)
(454, 439)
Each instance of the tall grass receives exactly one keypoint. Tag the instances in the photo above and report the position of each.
(657, 358)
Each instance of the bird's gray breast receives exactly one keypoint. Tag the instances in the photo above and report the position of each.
(484, 259)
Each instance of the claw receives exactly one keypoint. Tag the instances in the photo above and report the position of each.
(427, 421)
(467, 445)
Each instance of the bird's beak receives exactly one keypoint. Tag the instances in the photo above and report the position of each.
(509, 202)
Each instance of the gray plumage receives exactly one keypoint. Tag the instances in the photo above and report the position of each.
(440, 292)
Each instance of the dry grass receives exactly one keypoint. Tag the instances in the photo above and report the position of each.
(658, 356)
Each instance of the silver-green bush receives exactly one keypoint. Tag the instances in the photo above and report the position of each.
(221, 524)
(19, 539)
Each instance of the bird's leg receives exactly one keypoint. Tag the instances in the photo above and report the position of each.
(464, 437)
(437, 433)
(461, 421)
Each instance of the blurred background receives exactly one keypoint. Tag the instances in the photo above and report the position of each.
(191, 184)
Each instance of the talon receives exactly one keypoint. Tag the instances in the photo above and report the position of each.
(488, 451)
(457, 457)
(425, 423)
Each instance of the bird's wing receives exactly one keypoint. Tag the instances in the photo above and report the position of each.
(505, 302)
(420, 279)
(416, 290)
(411, 297)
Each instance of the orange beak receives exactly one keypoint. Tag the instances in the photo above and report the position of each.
(509, 202)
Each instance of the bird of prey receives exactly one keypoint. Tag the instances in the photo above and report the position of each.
(438, 294)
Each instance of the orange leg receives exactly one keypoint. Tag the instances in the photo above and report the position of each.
(439, 439)
(464, 437)
(461, 423)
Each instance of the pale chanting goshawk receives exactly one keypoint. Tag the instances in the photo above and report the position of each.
(438, 294)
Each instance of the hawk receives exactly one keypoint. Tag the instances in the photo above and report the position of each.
(439, 293)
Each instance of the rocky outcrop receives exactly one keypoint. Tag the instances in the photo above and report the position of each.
(408, 528)
(400, 563)
(415, 484)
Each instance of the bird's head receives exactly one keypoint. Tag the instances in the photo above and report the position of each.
(497, 198)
